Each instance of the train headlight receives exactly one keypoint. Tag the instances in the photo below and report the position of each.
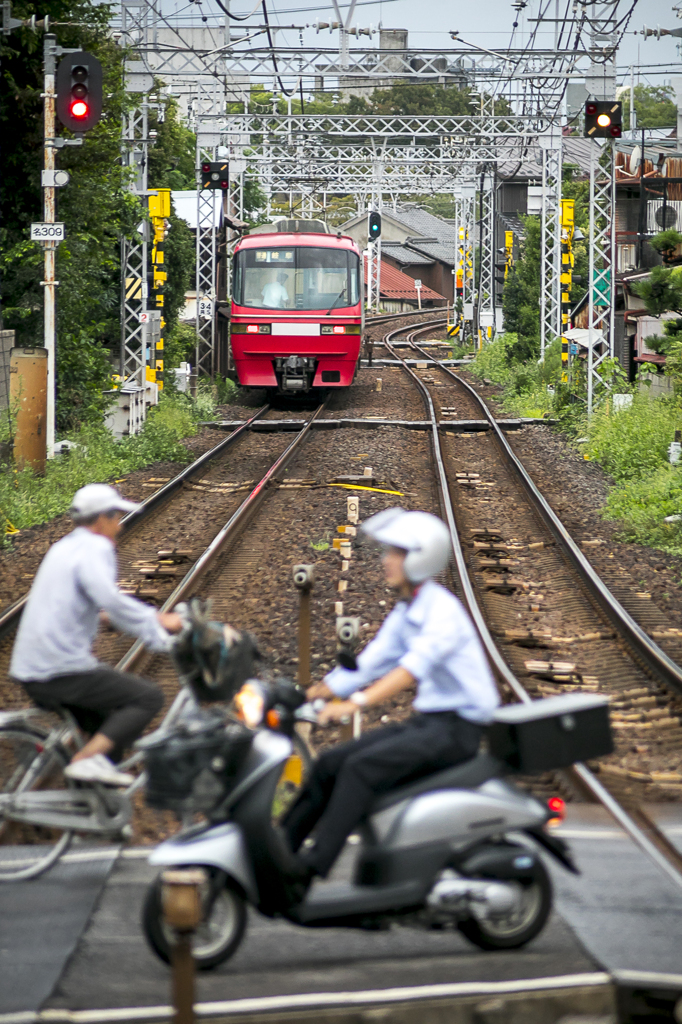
(252, 328)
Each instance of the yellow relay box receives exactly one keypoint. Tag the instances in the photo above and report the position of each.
(160, 204)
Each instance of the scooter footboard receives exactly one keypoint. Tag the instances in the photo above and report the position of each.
(221, 846)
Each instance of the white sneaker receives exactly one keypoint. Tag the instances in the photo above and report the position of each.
(98, 768)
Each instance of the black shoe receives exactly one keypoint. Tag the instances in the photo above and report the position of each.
(299, 879)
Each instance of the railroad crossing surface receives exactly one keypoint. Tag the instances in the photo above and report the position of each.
(72, 940)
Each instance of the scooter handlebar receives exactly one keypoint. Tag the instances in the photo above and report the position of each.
(309, 712)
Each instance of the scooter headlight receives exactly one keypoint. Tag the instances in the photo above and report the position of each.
(250, 704)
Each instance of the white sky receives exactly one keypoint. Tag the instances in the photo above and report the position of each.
(487, 23)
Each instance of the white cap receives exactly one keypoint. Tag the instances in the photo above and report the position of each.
(93, 499)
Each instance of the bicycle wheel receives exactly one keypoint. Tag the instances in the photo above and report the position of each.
(293, 778)
(26, 850)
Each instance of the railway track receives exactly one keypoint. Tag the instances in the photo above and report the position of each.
(545, 616)
(548, 622)
(166, 536)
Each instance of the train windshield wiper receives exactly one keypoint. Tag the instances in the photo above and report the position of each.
(342, 292)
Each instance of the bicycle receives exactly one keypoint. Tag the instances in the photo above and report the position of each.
(45, 810)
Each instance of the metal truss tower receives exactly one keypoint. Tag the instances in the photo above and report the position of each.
(134, 251)
(602, 263)
(465, 223)
(550, 245)
(485, 299)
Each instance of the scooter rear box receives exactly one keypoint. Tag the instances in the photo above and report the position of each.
(552, 733)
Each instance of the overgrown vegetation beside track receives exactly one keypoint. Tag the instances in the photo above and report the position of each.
(27, 500)
(631, 444)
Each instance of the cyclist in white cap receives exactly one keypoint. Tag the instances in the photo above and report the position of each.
(52, 656)
(428, 640)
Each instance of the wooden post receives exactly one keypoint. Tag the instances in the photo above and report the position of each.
(28, 401)
(181, 901)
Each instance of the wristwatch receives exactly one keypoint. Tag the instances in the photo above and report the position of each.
(358, 698)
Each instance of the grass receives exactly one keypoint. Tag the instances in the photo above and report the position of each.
(631, 444)
(320, 545)
(27, 499)
(529, 389)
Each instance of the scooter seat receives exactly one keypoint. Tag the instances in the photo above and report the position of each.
(463, 776)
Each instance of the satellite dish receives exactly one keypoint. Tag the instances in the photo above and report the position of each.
(665, 217)
(635, 158)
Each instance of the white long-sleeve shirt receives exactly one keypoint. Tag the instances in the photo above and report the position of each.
(76, 580)
(435, 640)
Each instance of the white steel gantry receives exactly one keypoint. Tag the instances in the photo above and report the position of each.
(371, 159)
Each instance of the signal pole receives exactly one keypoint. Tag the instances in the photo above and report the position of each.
(49, 283)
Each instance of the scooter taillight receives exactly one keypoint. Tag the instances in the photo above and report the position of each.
(557, 808)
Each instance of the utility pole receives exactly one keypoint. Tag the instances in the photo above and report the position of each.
(49, 282)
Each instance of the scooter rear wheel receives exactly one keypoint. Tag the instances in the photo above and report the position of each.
(216, 939)
(519, 928)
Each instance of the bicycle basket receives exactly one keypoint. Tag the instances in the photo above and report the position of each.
(196, 766)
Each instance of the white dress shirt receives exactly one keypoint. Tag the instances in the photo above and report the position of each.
(275, 294)
(435, 640)
(76, 580)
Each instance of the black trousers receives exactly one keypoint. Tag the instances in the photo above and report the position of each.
(345, 780)
(117, 704)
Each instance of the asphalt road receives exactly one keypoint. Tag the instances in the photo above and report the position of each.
(620, 913)
(40, 924)
(113, 966)
(627, 914)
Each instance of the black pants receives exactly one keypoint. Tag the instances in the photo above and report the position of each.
(117, 704)
(345, 780)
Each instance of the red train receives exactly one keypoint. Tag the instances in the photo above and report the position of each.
(297, 312)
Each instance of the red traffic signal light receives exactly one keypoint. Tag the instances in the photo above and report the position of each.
(79, 91)
(79, 108)
(603, 119)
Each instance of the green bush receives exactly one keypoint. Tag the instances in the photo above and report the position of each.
(633, 443)
(27, 499)
(525, 383)
(642, 505)
(658, 343)
(227, 391)
(492, 360)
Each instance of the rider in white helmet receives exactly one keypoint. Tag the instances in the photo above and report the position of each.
(428, 640)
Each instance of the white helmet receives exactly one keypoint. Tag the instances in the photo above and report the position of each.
(426, 539)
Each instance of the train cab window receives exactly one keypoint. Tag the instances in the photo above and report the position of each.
(305, 277)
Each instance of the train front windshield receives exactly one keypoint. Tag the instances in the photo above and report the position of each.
(302, 277)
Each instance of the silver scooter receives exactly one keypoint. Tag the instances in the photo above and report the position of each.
(456, 849)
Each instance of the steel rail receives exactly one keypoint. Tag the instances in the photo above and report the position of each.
(226, 535)
(381, 318)
(670, 862)
(657, 661)
(9, 617)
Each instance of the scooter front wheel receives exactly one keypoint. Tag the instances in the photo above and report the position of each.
(519, 927)
(216, 939)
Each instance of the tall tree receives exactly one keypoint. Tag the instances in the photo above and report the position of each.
(521, 297)
(96, 206)
(654, 107)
